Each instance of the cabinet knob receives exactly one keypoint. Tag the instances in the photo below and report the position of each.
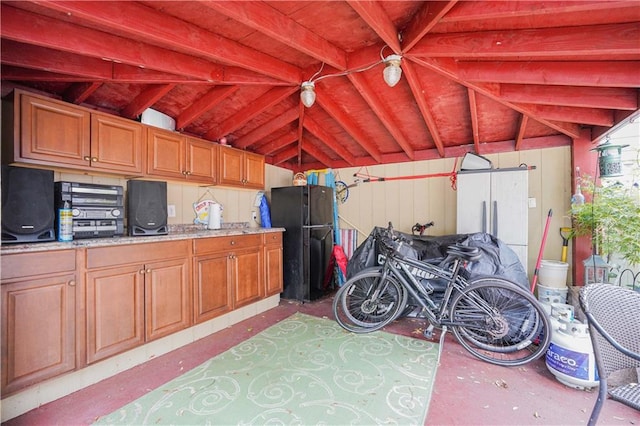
(87, 158)
(94, 159)
(187, 172)
(148, 271)
(72, 283)
(184, 172)
(233, 243)
(141, 271)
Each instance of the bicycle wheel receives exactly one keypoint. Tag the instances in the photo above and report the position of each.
(499, 322)
(364, 303)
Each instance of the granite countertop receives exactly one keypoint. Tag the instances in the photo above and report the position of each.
(176, 232)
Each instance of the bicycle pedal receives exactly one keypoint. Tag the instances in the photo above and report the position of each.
(428, 332)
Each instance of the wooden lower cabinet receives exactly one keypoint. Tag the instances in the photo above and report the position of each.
(38, 317)
(227, 274)
(135, 302)
(115, 321)
(273, 263)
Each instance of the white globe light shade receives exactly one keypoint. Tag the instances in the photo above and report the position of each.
(392, 71)
(308, 94)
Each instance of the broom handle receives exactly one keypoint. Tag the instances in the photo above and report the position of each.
(544, 240)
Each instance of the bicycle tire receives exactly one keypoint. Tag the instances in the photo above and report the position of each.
(354, 309)
(515, 332)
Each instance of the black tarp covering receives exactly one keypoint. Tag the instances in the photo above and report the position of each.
(497, 258)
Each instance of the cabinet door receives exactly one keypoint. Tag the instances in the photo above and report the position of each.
(212, 291)
(473, 203)
(202, 161)
(116, 144)
(247, 277)
(509, 195)
(38, 330)
(231, 170)
(273, 264)
(165, 153)
(254, 170)
(54, 132)
(115, 311)
(166, 298)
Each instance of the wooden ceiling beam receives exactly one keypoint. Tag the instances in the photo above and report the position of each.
(473, 111)
(141, 22)
(382, 112)
(376, 17)
(203, 104)
(266, 129)
(145, 99)
(53, 33)
(423, 21)
(419, 94)
(572, 73)
(448, 68)
(521, 131)
(343, 119)
(589, 116)
(285, 155)
(16, 73)
(40, 58)
(537, 14)
(278, 143)
(243, 116)
(610, 40)
(316, 153)
(318, 131)
(586, 97)
(274, 24)
(79, 92)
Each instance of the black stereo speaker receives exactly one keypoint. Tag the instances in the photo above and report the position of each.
(147, 207)
(27, 205)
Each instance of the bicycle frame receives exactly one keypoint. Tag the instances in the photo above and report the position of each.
(398, 266)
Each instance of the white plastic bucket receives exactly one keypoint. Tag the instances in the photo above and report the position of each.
(552, 295)
(553, 273)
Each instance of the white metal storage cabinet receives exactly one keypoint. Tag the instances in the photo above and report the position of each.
(496, 201)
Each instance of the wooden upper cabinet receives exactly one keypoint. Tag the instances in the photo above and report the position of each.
(241, 168)
(201, 161)
(172, 155)
(52, 132)
(55, 133)
(116, 144)
(165, 153)
(254, 170)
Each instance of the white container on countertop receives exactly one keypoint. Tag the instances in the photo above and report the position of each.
(215, 215)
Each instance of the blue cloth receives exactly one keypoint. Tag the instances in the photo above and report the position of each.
(265, 214)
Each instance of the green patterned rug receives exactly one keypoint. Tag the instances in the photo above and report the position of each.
(303, 370)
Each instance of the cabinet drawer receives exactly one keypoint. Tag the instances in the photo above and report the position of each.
(216, 244)
(100, 257)
(22, 265)
(274, 238)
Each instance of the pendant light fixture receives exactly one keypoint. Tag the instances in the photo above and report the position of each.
(391, 74)
(308, 93)
(392, 71)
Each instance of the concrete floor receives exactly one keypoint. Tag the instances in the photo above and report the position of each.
(467, 391)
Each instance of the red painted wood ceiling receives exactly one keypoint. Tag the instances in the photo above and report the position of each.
(478, 76)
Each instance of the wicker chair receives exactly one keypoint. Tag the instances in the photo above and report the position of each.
(613, 314)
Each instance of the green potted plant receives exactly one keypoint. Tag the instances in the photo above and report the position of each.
(611, 218)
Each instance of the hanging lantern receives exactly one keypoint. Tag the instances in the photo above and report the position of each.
(596, 270)
(609, 159)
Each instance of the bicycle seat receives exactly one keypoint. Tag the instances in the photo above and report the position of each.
(469, 254)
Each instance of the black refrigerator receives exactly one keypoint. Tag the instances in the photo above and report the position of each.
(306, 213)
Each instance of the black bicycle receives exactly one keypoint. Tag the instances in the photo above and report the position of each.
(493, 318)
